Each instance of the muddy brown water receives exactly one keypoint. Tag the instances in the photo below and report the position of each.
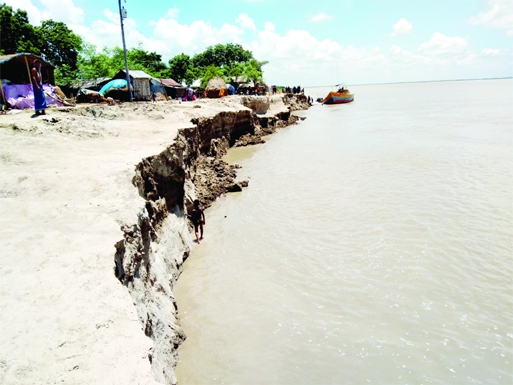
(373, 245)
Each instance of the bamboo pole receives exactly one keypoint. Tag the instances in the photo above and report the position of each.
(28, 70)
(2, 90)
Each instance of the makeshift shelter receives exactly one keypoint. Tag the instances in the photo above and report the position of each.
(246, 88)
(156, 87)
(216, 88)
(140, 82)
(16, 68)
(251, 88)
(170, 87)
(236, 80)
(80, 84)
(113, 84)
(16, 80)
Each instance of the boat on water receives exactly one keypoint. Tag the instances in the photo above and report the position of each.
(340, 96)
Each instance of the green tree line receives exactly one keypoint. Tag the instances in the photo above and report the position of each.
(76, 59)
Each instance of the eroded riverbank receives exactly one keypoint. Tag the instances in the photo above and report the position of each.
(67, 189)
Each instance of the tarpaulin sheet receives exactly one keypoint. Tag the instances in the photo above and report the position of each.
(20, 96)
(231, 89)
(116, 83)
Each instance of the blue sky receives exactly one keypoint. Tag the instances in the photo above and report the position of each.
(310, 42)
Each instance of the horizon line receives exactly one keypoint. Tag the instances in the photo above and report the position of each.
(414, 81)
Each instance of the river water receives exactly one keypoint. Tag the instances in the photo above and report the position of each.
(374, 244)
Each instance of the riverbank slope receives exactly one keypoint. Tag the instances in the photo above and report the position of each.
(80, 227)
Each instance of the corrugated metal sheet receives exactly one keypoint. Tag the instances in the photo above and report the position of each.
(170, 83)
(141, 88)
(137, 74)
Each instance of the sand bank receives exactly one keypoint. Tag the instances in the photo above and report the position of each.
(92, 203)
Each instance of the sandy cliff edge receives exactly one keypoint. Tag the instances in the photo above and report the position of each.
(75, 215)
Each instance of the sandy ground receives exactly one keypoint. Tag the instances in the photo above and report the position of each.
(65, 187)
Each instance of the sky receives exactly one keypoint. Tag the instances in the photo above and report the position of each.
(309, 42)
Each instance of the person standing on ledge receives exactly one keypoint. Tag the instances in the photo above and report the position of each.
(197, 217)
(37, 89)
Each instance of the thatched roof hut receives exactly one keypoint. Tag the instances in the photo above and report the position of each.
(216, 88)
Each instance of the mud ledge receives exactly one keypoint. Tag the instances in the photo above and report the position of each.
(149, 258)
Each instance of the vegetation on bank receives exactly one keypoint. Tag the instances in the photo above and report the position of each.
(76, 59)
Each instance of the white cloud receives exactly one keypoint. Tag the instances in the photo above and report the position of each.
(192, 38)
(402, 27)
(500, 15)
(295, 56)
(490, 52)
(172, 13)
(444, 45)
(245, 21)
(396, 50)
(67, 11)
(112, 16)
(320, 17)
(58, 10)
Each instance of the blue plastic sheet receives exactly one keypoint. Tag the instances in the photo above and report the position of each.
(116, 83)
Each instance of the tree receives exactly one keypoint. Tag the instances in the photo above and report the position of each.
(253, 71)
(222, 55)
(150, 62)
(93, 65)
(228, 61)
(73, 58)
(59, 44)
(117, 59)
(234, 53)
(211, 72)
(191, 75)
(54, 41)
(235, 71)
(16, 34)
(180, 68)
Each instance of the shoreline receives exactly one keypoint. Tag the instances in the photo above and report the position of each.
(68, 188)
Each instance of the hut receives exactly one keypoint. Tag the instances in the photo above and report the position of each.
(216, 88)
(16, 68)
(81, 84)
(170, 87)
(16, 80)
(140, 81)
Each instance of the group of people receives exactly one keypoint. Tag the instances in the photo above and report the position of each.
(188, 95)
(294, 90)
(288, 90)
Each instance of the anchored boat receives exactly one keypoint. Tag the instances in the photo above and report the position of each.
(340, 96)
